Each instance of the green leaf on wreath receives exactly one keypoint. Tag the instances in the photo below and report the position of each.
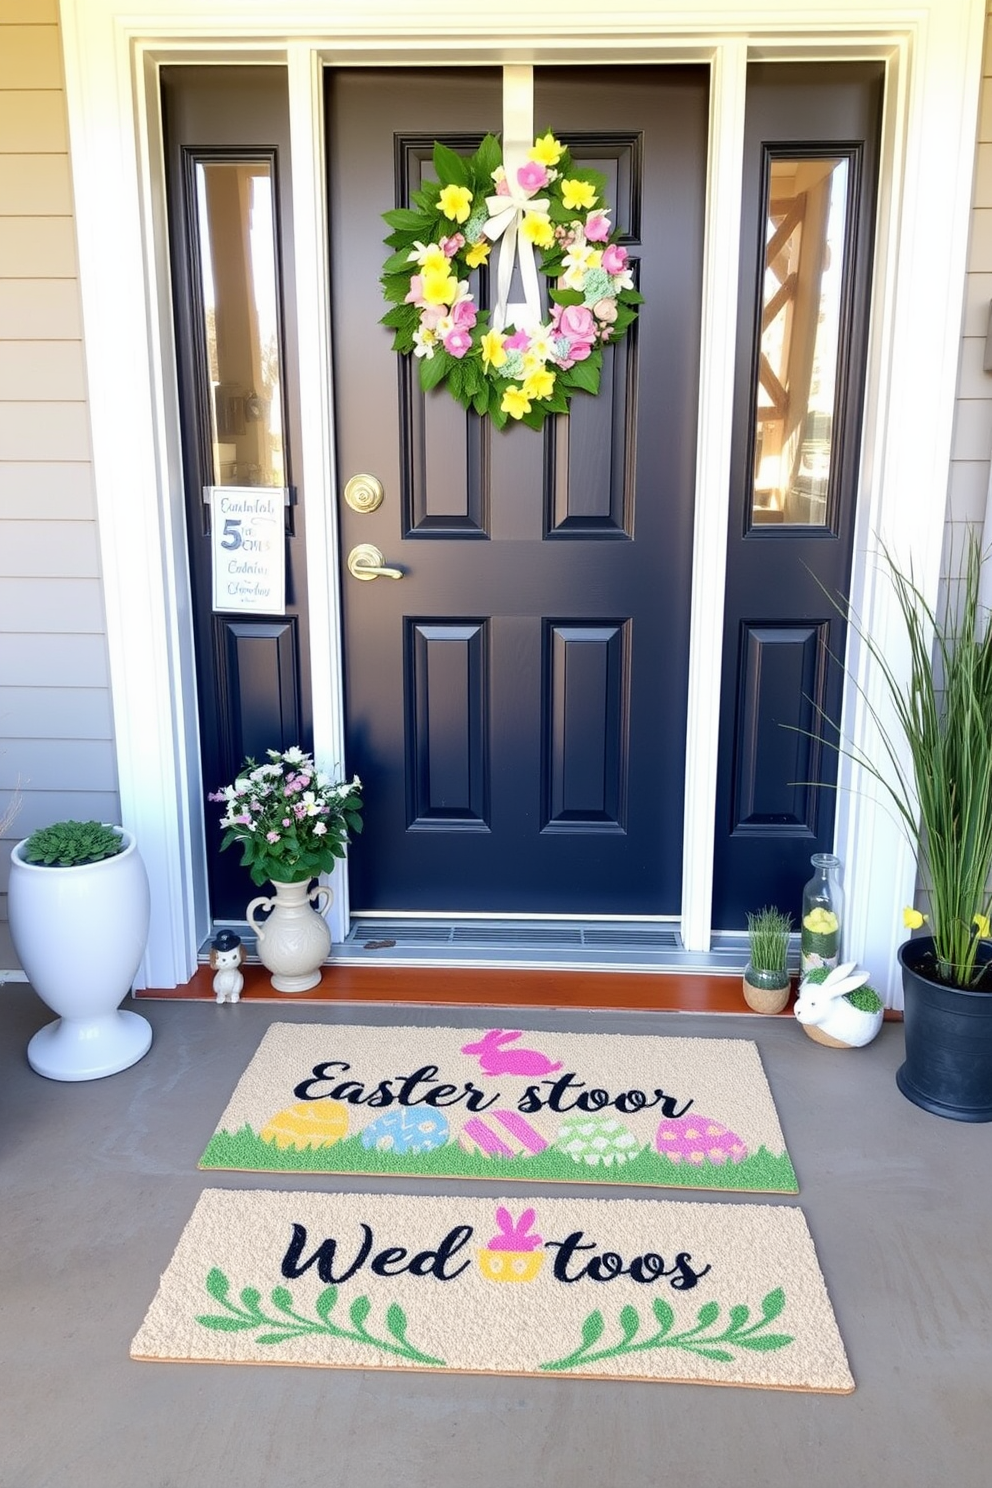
(403, 218)
(451, 168)
(433, 370)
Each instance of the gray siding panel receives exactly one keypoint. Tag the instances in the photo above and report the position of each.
(28, 604)
(55, 713)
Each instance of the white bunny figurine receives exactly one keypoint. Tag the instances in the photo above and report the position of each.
(827, 1016)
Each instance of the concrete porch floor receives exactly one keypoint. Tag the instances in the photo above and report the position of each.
(98, 1179)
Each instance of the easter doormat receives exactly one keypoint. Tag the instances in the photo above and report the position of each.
(636, 1289)
(504, 1103)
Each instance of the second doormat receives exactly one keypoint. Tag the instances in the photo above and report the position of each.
(643, 1289)
(505, 1103)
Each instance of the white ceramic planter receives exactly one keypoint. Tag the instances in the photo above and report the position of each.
(80, 934)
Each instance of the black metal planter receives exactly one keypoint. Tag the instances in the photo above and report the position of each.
(948, 1068)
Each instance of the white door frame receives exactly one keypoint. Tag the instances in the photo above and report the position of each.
(933, 53)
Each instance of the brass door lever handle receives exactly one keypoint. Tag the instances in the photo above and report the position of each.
(365, 562)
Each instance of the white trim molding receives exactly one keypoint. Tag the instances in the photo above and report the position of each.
(933, 52)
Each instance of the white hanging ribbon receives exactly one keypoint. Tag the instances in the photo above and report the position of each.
(506, 212)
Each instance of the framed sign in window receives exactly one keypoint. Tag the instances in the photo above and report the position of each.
(248, 548)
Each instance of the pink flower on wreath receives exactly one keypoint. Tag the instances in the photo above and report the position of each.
(450, 246)
(574, 331)
(614, 259)
(416, 294)
(457, 342)
(272, 836)
(464, 315)
(519, 341)
(533, 176)
(597, 228)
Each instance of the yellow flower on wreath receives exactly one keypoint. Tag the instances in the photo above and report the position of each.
(493, 354)
(455, 202)
(515, 402)
(539, 384)
(578, 194)
(536, 228)
(547, 150)
(478, 253)
(439, 286)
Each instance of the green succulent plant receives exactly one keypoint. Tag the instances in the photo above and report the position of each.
(69, 844)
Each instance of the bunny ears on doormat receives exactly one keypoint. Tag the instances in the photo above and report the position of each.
(622, 1289)
(505, 1103)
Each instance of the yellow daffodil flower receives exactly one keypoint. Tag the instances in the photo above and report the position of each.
(478, 253)
(539, 384)
(427, 255)
(536, 228)
(439, 286)
(515, 402)
(455, 202)
(493, 354)
(547, 150)
(984, 928)
(912, 919)
(578, 195)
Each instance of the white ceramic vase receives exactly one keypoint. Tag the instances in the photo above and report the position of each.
(293, 942)
(80, 934)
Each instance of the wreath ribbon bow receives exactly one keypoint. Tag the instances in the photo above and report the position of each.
(506, 213)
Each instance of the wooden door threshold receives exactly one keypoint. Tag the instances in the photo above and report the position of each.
(490, 987)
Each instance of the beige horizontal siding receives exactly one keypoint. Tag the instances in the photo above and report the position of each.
(33, 120)
(45, 371)
(56, 734)
(40, 310)
(29, 488)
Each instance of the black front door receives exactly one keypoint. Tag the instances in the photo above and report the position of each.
(810, 180)
(516, 704)
(228, 174)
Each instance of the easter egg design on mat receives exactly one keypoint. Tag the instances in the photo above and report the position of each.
(501, 1133)
(412, 1130)
(307, 1125)
(597, 1141)
(697, 1139)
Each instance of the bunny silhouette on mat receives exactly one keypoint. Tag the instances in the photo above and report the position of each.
(823, 1009)
(494, 1060)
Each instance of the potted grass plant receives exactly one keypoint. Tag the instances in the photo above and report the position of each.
(79, 912)
(766, 976)
(934, 765)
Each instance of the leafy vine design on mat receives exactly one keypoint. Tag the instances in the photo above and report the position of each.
(694, 1340)
(290, 1325)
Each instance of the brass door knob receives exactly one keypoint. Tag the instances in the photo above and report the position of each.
(364, 493)
(365, 562)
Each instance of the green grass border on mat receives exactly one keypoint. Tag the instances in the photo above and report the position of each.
(245, 1151)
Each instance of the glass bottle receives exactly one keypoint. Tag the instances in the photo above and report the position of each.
(823, 915)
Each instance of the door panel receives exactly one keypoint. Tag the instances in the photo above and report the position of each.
(516, 703)
(811, 160)
(253, 688)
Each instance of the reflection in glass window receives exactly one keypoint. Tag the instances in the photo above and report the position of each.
(241, 324)
(806, 223)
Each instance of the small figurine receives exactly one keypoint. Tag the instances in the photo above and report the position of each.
(837, 1008)
(226, 956)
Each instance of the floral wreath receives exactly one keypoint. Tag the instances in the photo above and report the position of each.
(511, 364)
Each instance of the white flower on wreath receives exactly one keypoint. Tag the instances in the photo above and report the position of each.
(424, 342)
